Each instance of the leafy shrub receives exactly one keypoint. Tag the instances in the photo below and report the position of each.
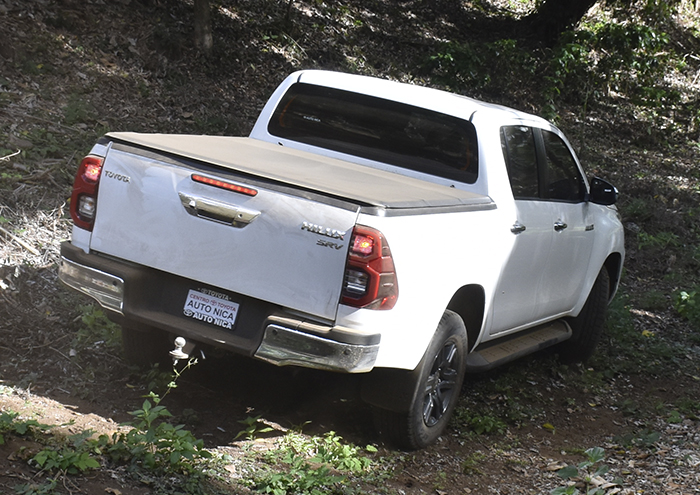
(688, 306)
(71, 460)
(96, 329)
(9, 423)
(254, 426)
(586, 473)
(626, 58)
(486, 425)
(311, 466)
(492, 66)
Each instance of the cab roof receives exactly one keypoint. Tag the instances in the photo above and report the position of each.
(433, 99)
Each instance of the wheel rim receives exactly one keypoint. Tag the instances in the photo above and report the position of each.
(441, 384)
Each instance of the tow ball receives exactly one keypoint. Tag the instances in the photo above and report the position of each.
(182, 350)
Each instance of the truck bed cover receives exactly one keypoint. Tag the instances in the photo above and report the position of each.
(364, 185)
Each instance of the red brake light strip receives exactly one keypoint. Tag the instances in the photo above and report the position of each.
(224, 185)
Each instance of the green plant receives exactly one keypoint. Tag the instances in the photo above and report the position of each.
(639, 210)
(77, 110)
(72, 455)
(629, 407)
(346, 457)
(610, 57)
(96, 329)
(674, 418)
(311, 465)
(300, 478)
(34, 488)
(645, 439)
(253, 428)
(10, 176)
(486, 424)
(440, 479)
(661, 240)
(480, 65)
(470, 465)
(689, 407)
(629, 350)
(156, 444)
(587, 475)
(153, 442)
(158, 380)
(10, 424)
(569, 60)
(688, 305)
(328, 449)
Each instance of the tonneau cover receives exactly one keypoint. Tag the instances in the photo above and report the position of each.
(362, 184)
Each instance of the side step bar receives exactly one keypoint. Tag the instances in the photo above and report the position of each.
(492, 354)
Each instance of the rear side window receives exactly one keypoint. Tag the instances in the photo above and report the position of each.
(377, 129)
(518, 143)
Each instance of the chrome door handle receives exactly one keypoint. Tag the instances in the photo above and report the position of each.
(518, 228)
(217, 211)
(559, 225)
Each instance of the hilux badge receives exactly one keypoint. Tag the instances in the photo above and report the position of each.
(324, 231)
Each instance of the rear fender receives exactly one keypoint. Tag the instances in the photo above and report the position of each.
(469, 303)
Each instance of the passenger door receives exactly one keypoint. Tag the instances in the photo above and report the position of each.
(573, 229)
(522, 279)
(543, 276)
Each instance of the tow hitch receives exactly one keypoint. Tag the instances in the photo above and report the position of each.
(182, 350)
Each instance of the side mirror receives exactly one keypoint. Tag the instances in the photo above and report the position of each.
(602, 192)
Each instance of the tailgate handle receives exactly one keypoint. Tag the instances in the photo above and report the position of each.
(217, 211)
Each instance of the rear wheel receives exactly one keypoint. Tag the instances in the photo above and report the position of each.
(436, 387)
(145, 346)
(588, 326)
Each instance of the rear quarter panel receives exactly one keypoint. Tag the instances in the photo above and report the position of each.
(434, 255)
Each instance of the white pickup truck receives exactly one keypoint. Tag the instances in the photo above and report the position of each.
(364, 226)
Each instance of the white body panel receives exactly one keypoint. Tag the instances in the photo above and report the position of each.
(434, 256)
(272, 258)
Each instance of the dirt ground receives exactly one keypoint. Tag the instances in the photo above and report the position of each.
(71, 70)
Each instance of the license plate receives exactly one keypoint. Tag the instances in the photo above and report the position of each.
(210, 309)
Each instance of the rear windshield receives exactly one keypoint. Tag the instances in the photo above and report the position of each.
(377, 129)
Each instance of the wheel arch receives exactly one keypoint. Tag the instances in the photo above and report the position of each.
(613, 264)
(469, 303)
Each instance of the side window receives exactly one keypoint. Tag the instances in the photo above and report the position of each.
(518, 143)
(564, 181)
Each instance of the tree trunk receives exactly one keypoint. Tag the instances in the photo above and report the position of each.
(203, 38)
(553, 17)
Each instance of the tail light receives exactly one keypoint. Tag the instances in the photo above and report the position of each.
(83, 201)
(370, 278)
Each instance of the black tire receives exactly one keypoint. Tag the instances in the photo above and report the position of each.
(436, 386)
(145, 346)
(588, 326)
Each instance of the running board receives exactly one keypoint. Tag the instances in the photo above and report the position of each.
(492, 354)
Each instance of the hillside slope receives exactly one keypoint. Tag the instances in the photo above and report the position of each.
(71, 70)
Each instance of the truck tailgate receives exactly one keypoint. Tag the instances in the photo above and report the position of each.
(271, 242)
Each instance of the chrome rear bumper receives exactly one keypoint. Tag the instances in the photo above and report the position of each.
(106, 289)
(284, 346)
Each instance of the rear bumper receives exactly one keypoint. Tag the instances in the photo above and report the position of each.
(106, 289)
(133, 293)
(285, 345)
